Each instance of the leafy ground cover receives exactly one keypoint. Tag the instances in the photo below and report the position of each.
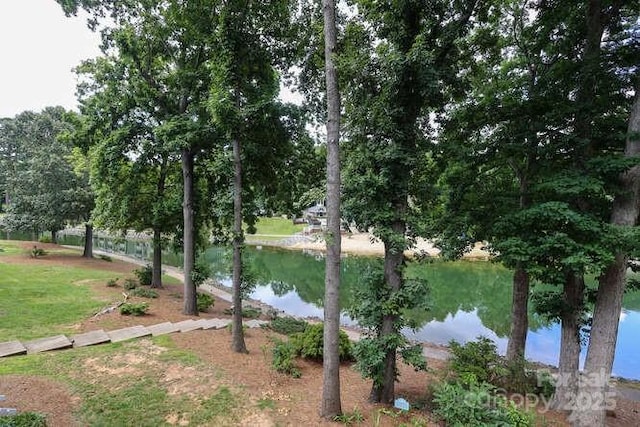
(191, 378)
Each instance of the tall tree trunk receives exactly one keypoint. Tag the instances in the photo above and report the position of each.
(190, 306)
(393, 263)
(606, 315)
(88, 240)
(331, 404)
(237, 340)
(156, 275)
(54, 236)
(156, 270)
(519, 315)
(568, 367)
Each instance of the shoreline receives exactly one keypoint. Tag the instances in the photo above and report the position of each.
(430, 350)
(365, 244)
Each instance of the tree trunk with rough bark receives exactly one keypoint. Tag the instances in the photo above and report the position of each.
(190, 306)
(156, 267)
(88, 241)
(606, 315)
(519, 315)
(331, 404)
(568, 367)
(393, 263)
(237, 339)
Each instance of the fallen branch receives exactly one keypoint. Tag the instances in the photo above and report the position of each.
(110, 308)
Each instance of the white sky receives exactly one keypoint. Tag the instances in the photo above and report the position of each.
(39, 46)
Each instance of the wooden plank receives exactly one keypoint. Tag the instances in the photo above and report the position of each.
(216, 323)
(47, 344)
(12, 348)
(90, 338)
(189, 325)
(254, 323)
(163, 328)
(128, 333)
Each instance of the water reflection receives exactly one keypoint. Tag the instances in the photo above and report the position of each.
(467, 299)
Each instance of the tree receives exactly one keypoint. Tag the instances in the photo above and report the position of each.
(604, 327)
(397, 65)
(134, 172)
(45, 192)
(242, 104)
(331, 405)
(169, 43)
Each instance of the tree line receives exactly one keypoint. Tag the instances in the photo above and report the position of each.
(510, 122)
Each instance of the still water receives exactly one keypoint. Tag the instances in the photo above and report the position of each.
(466, 299)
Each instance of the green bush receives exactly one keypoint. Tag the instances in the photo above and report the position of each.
(45, 239)
(144, 275)
(247, 312)
(144, 293)
(283, 358)
(23, 419)
(309, 344)
(479, 358)
(201, 271)
(112, 283)
(130, 284)
(467, 402)
(134, 309)
(288, 325)
(37, 252)
(204, 301)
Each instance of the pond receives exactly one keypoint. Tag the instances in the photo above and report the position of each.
(467, 299)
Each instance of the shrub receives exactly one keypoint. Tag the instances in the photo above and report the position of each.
(144, 293)
(24, 419)
(201, 271)
(130, 283)
(112, 283)
(45, 239)
(204, 301)
(144, 275)
(288, 325)
(479, 358)
(247, 312)
(469, 402)
(309, 344)
(134, 309)
(37, 252)
(283, 358)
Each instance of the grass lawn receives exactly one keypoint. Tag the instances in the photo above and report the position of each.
(277, 226)
(141, 394)
(37, 301)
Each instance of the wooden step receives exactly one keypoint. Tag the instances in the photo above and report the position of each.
(47, 344)
(90, 338)
(11, 348)
(128, 333)
(190, 325)
(216, 323)
(163, 328)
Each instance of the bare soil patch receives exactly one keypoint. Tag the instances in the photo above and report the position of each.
(291, 402)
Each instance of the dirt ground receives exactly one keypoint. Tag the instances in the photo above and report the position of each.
(297, 400)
